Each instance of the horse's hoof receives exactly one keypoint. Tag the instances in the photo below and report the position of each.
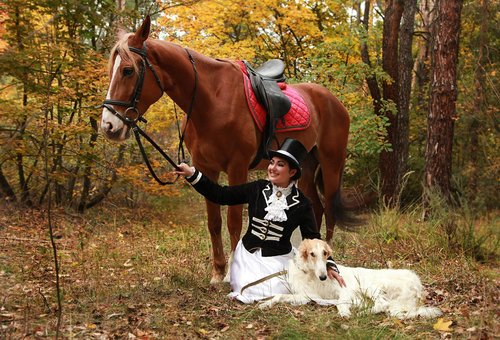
(216, 279)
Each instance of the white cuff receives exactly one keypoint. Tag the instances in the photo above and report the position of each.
(197, 179)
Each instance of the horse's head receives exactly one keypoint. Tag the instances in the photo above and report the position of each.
(134, 84)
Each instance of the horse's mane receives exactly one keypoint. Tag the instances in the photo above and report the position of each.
(121, 48)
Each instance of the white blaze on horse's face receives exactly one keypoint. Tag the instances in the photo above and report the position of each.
(112, 126)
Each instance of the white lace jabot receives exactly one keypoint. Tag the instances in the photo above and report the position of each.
(277, 204)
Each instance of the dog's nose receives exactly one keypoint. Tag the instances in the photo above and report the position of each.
(322, 277)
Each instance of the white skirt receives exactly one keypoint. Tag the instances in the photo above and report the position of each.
(247, 268)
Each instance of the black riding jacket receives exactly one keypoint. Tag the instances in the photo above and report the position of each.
(272, 237)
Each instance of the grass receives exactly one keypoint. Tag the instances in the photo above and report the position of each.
(145, 273)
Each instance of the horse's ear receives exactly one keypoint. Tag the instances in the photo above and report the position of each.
(142, 33)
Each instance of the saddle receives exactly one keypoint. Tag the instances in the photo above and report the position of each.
(264, 81)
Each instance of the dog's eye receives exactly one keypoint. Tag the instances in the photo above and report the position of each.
(312, 255)
(325, 253)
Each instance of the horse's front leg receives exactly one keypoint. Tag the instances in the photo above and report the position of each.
(234, 213)
(234, 223)
(215, 227)
(236, 175)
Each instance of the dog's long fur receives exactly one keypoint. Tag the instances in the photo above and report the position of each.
(397, 292)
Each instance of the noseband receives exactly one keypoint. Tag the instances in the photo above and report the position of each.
(131, 106)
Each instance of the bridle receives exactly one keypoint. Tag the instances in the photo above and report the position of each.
(131, 106)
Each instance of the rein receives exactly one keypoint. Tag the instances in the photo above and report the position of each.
(132, 106)
(265, 278)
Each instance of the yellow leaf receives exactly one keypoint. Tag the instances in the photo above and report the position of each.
(443, 326)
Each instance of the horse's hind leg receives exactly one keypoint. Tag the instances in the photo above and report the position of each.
(308, 186)
(332, 150)
(333, 209)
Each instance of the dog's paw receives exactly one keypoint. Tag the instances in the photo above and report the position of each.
(344, 311)
(266, 304)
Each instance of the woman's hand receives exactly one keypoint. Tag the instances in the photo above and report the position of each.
(332, 274)
(185, 170)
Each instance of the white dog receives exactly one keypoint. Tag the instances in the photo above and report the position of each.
(397, 292)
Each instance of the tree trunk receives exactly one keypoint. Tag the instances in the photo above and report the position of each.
(388, 161)
(88, 168)
(97, 198)
(25, 194)
(405, 61)
(443, 95)
(421, 67)
(479, 101)
(371, 80)
(5, 188)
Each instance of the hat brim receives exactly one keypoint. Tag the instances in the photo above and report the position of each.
(292, 161)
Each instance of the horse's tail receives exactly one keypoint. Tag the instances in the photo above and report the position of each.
(341, 206)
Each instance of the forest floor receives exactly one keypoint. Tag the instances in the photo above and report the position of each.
(144, 273)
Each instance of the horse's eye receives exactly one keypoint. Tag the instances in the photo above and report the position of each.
(312, 255)
(128, 71)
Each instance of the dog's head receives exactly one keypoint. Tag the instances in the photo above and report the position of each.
(312, 257)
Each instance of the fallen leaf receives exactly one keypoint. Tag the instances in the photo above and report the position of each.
(442, 325)
(113, 315)
(398, 322)
(7, 316)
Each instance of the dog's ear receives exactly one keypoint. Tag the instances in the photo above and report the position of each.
(328, 249)
(303, 249)
(304, 253)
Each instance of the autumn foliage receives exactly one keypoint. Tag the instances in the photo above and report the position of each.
(54, 75)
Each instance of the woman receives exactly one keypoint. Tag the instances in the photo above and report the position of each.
(276, 207)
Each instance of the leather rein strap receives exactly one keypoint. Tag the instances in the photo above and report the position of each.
(265, 278)
(132, 106)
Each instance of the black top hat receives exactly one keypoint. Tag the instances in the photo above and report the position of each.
(292, 151)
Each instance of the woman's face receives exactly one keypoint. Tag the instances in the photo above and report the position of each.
(279, 172)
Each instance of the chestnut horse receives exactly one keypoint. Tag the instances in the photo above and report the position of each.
(221, 134)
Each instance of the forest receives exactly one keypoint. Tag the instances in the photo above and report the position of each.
(93, 247)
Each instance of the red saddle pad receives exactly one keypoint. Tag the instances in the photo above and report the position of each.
(297, 118)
